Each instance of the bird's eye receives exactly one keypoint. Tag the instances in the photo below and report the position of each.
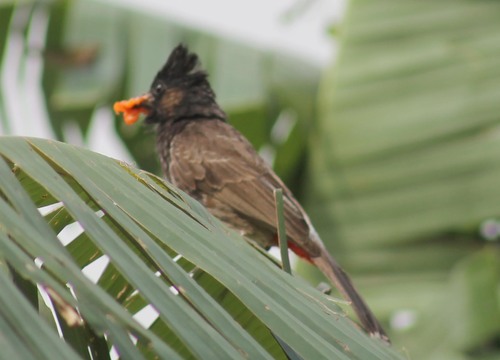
(158, 89)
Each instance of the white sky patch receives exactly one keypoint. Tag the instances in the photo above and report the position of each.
(10, 71)
(259, 23)
(69, 233)
(44, 210)
(280, 132)
(283, 126)
(21, 75)
(403, 319)
(94, 270)
(33, 97)
(146, 316)
(268, 153)
(72, 133)
(102, 136)
(490, 229)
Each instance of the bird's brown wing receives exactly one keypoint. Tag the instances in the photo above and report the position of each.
(214, 162)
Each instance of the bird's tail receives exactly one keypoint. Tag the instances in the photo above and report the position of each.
(339, 278)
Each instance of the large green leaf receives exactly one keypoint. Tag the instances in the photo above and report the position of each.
(405, 165)
(141, 223)
(408, 120)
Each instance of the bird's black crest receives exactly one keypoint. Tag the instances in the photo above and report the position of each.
(182, 64)
(181, 90)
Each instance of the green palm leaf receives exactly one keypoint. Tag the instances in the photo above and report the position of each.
(210, 300)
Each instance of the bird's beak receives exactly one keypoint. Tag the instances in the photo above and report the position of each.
(134, 107)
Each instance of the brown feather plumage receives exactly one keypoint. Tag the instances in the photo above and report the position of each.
(223, 169)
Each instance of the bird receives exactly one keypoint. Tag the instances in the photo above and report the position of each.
(206, 157)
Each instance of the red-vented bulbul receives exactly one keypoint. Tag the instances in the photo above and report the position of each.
(206, 157)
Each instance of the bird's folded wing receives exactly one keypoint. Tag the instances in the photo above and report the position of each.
(212, 158)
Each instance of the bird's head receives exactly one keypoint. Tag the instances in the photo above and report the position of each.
(180, 90)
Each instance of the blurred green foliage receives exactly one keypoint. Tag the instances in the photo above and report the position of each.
(405, 167)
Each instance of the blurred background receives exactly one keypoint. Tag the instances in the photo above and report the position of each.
(383, 117)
